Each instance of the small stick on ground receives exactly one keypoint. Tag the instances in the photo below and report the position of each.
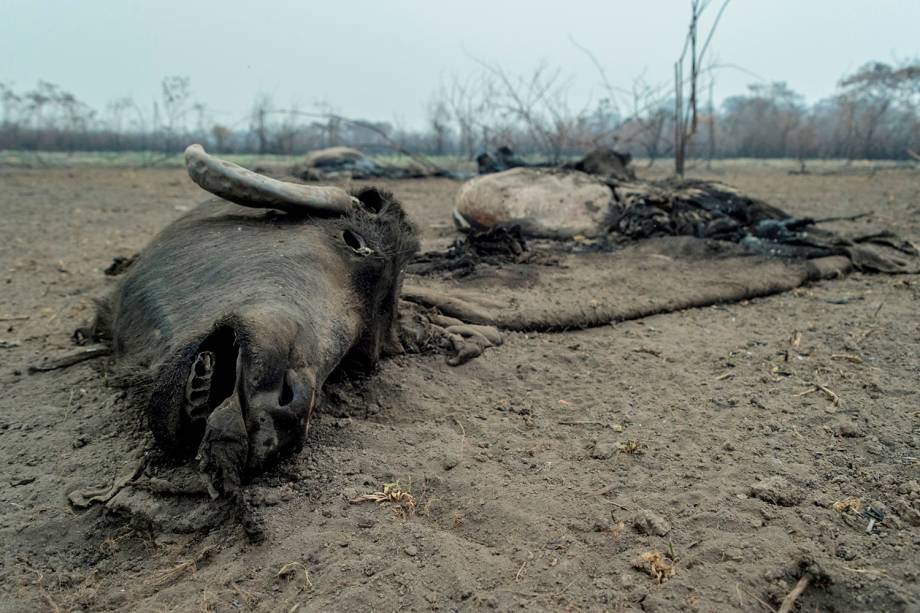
(604, 491)
(582, 423)
(849, 357)
(565, 589)
(14, 317)
(520, 572)
(762, 603)
(834, 398)
(817, 387)
(89, 353)
(462, 434)
(874, 572)
(864, 335)
(789, 601)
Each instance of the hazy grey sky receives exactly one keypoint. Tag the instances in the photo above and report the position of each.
(382, 60)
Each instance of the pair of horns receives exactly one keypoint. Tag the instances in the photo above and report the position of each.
(236, 184)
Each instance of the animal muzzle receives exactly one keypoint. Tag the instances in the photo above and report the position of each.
(250, 429)
(236, 409)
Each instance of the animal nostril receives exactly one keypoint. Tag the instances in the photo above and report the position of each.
(287, 392)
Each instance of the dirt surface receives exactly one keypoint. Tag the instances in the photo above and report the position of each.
(714, 442)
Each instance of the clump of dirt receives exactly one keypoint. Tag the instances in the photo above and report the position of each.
(776, 490)
(651, 523)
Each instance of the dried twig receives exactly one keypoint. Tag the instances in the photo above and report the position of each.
(89, 353)
(565, 589)
(848, 357)
(588, 422)
(866, 571)
(618, 505)
(789, 601)
(520, 572)
(833, 397)
(817, 387)
(759, 600)
(462, 434)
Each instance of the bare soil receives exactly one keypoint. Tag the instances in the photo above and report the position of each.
(715, 442)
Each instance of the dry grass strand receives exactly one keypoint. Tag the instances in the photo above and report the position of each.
(655, 564)
(394, 494)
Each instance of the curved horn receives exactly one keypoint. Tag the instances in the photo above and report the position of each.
(236, 184)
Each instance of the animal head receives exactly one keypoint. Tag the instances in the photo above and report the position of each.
(241, 309)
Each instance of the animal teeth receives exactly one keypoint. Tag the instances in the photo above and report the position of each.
(198, 386)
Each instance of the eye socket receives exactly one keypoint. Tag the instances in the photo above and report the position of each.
(356, 242)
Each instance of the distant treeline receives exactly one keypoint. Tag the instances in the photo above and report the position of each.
(874, 114)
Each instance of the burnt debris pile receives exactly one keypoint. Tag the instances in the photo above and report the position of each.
(600, 198)
(485, 246)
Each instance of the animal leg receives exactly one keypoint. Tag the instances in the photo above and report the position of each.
(421, 328)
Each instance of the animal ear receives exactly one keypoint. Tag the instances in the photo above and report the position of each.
(242, 186)
(374, 200)
(356, 242)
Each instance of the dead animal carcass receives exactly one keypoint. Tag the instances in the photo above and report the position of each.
(602, 161)
(348, 163)
(599, 197)
(236, 314)
(337, 162)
